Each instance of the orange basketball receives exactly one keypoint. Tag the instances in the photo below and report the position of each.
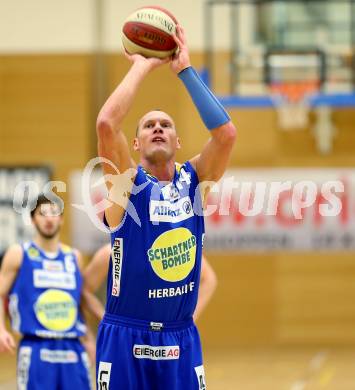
(149, 31)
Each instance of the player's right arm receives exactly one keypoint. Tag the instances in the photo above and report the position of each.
(8, 272)
(112, 142)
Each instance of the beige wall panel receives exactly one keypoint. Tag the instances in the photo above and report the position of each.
(242, 310)
(315, 298)
(45, 112)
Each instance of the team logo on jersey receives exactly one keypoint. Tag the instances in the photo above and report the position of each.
(170, 193)
(117, 257)
(173, 254)
(56, 310)
(33, 253)
(165, 211)
(103, 376)
(171, 352)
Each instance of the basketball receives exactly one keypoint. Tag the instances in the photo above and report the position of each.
(149, 31)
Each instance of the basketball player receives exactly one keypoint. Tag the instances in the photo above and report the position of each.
(44, 284)
(147, 338)
(96, 272)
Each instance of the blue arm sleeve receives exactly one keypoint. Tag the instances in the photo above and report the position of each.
(210, 109)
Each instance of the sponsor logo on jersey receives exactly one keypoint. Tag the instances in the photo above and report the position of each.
(171, 292)
(58, 356)
(173, 254)
(117, 257)
(14, 312)
(23, 367)
(171, 352)
(103, 376)
(50, 334)
(56, 310)
(52, 265)
(165, 211)
(53, 279)
(200, 373)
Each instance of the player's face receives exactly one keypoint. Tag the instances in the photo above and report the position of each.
(157, 139)
(47, 220)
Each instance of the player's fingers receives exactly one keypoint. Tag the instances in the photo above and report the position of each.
(177, 40)
(181, 33)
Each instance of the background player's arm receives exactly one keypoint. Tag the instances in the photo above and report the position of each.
(112, 142)
(9, 268)
(208, 284)
(212, 162)
(88, 304)
(96, 271)
(95, 274)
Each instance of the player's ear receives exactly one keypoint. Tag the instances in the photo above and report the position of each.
(136, 144)
(178, 143)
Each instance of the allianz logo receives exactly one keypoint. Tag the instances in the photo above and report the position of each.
(172, 210)
(164, 211)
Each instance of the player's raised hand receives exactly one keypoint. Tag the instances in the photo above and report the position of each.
(181, 59)
(7, 342)
(151, 63)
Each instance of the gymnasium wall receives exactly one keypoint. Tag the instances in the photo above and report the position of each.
(47, 115)
(71, 26)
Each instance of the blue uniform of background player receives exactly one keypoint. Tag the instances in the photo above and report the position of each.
(147, 339)
(44, 283)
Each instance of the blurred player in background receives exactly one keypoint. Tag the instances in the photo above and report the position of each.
(43, 281)
(96, 272)
(147, 339)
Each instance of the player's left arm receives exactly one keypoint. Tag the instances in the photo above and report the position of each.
(208, 284)
(211, 163)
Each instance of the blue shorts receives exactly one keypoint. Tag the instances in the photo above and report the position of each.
(56, 364)
(139, 355)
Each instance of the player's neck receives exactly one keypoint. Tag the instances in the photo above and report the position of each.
(47, 244)
(163, 171)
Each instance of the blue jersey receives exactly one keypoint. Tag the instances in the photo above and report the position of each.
(156, 252)
(45, 297)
